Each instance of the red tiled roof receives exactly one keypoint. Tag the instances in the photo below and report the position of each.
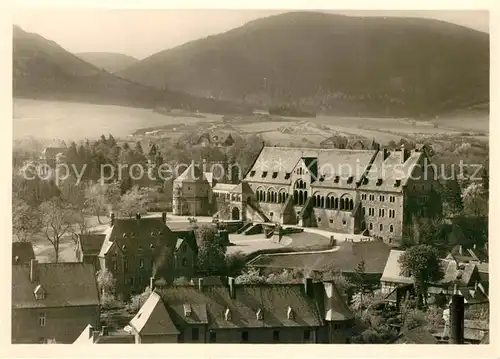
(22, 252)
(65, 285)
(273, 300)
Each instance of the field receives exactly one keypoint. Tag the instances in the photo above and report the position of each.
(77, 121)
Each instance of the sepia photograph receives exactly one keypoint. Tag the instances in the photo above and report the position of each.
(250, 176)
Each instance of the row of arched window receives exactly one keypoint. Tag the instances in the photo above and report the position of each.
(271, 196)
(330, 202)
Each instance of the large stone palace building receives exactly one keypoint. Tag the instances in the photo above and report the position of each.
(374, 191)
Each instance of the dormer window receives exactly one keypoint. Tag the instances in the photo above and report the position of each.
(153, 234)
(39, 292)
(227, 314)
(290, 314)
(287, 175)
(252, 173)
(322, 178)
(379, 181)
(258, 314)
(264, 174)
(124, 235)
(337, 179)
(397, 183)
(365, 180)
(275, 174)
(187, 310)
(349, 180)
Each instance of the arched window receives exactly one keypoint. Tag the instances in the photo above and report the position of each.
(341, 204)
(301, 198)
(295, 197)
(336, 205)
(328, 202)
(322, 202)
(351, 204)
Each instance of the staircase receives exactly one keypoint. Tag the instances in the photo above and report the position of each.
(244, 227)
(253, 229)
(257, 209)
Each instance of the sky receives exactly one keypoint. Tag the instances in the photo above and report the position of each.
(143, 32)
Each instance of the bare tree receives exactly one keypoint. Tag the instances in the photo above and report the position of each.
(25, 220)
(56, 222)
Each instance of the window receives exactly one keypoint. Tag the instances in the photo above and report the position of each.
(184, 262)
(381, 227)
(195, 334)
(276, 335)
(264, 174)
(381, 198)
(392, 199)
(287, 175)
(381, 212)
(363, 210)
(132, 280)
(319, 219)
(275, 174)
(212, 337)
(331, 220)
(371, 211)
(371, 226)
(372, 197)
(141, 263)
(363, 196)
(307, 335)
(391, 228)
(42, 319)
(244, 337)
(184, 249)
(344, 222)
(392, 213)
(114, 265)
(252, 173)
(125, 265)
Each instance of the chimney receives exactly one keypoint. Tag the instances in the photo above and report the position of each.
(137, 215)
(152, 283)
(164, 217)
(104, 330)
(91, 331)
(232, 292)
(457, 319)
(112, 216)
(200, 284)
(460, 250)
(33, 270)
(308, 287)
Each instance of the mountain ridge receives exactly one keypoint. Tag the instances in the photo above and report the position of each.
(332, 63)
(42, 69)
(109, 61)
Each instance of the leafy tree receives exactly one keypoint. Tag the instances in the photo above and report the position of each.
(211, 250)
(56, 222)
(25, 220)
(73, 195)
(95, 195)
(134, 201)
(358, 280)
(422, 263)
(451, 195)
(137, 301)
(235, 262)
(106, 282)
(475, 200)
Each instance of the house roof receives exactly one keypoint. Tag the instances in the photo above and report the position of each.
(223, 187)
(216, 137)
(418, 335)
(468, 255)
(91, 244)
(192, 174)
(242, 188)
(22, 252)
(390, 169)
(272, 300)
(153, 318)
(344, 259)
(452, 272)
(65, 285)
(337, 309)
(330, 162)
